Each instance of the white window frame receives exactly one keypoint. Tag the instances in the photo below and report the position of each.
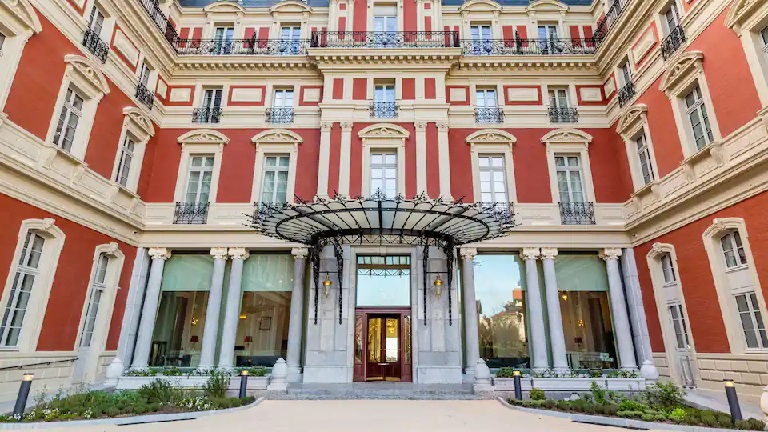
(570, 169)
(276, 169)
(294, 32)
(139, 127)
(199, 142)
(750, 298)
(676, 18)
(68, 111)
(553, 91)
(84, 76)
(748, 20)
(699, 108)
(682, 322)
(480, 27)
(24, 270)
(275, 142)
(202, 170)
(283, 91)
(645, 158)
(492, 142)
(729, 243)
(383, 137)
(486, 92)
(41, 290)
(569, 142)
(625, 72)
(125, 152)
(384, 166)
(485, 162)
(731, 282)
(107, 25)
(18, 25)
(632, 124)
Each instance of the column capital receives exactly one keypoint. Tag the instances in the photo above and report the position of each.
(548, 253)
(442, 126)
(610, 254)
(300, 252)
(530, 253)
(420, 125)
(468, 253)
(159, 253)
(346, 126)
(326, 126)
(219, 253)
(238, 253)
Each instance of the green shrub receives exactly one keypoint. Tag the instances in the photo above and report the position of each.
(172, 371)
(505, 372)
(647, 417)
(677, 415)
(664, 395)
(538, 403)
(217, 385)
(630, 414)
(562, 405)
(159, 391)
(750, 424)
(631, 405)
(598, 393)
(537, 394)
(707, 418)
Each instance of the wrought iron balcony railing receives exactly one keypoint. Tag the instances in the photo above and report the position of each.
(489, 115)
(577, 213)
(384, 109)
(401, 39)
(251, 46)
(280, 115)
(529, 46)
(145, 96)
(190, 213)
(161, 21)
(206, 115)
(563, 115)
(95, 45)
(626, 93)
(609, 20)
(672, 42)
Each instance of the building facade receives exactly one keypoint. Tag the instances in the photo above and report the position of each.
(384, 190)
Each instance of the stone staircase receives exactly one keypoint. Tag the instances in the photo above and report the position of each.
(378, 390)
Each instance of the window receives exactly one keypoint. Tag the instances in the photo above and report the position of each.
(144, 71)
(21, 290)
(97, 290)
(697, 116)
(290, 37)
(493, 184)
(275, 184)
(126, 158)
(290, 33)
(211, 110)
(222, 38)
(569, 181)
(2, 42)
(625, 72)
(668, 268)
(751, 320)
(548, 31)
(679, 325)
(671, 18)
(385, 25)
(644, 157)
(558, 98)
(384, 101)
(199, 180)
(282, 107)
(486, 98)
(733, 250)
(283, 98)
(480, 32)
(68, 120)
(96, 21)
(763, 38)
(384, 174)
(212, 99)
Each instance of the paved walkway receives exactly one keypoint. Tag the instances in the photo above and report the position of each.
(366, 415)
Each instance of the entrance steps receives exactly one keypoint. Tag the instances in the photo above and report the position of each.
(377, 390)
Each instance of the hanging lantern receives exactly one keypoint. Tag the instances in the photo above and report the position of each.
(438, 286)
(327, 285)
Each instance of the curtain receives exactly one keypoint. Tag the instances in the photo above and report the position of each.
(268, 272)
(188, 273)
(581, 273)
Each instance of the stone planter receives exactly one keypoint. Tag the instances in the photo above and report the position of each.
(571, 384)
(625, 384)
(564, 384)
(192, 382)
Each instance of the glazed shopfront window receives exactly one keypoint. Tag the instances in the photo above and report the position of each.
(262, 329)
(501, 306)
(585, 307)
(178, 333)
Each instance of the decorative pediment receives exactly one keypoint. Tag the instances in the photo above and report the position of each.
(741, 11)
(629, 120)
(546, 6)
(137, 117)
(660, 249)
(290, 6)
(567, 136)
(721, 225)
(479, 6)
(682, 69)
(203, 136)
(89, 71)
(277, 136)
(224, 7)
(491, 136)
(384, 130)
(23, 11)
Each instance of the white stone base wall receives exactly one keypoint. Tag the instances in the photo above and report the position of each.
(49, 376)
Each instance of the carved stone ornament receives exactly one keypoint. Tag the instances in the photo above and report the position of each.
(720, 225)
(277, 136)
(384, 130)
(610, 254)
(684, 66)
(491, 136)
(159, 253)
(740, 11)
(530, 254)
(88, 70)
(630, 118)
(659, 249)
(220, 253)
(140, 120)
(203, 136)
(479, 5)
(546, 6)
(300, 252)
(238, 253)
(290, 6)
(224, 7)
(567, 136)
(468, 253)
(24, 12)
(111, 249)
(47, 224)
(548, 253)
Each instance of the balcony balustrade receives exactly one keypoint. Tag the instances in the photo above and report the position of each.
(395, 39)
(95, 45)
(279, 115)
(384, 110)
(519, 46)
(489, 115)
(626, 93)
(563, 115)
(674, 40)
(577, 213)
(190, 213)
(609, 20)
(161, 21)
(206, 115)
(145, 96)
(251, 46)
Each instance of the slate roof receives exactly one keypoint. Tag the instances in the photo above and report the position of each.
(321, 3)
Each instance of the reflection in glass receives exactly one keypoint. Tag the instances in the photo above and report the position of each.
(374, 339)
(384, 281)
(392, 341)
(178, 333)
(407, 336)
(499, 288)
(358, 338)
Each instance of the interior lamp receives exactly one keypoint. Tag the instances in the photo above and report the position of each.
(438, 286)
(327, 285)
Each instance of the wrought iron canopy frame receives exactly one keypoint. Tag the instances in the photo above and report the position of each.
(419, 221)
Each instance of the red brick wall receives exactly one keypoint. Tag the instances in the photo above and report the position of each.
(661, 122)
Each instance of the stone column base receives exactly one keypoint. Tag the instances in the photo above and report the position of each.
(294, 374)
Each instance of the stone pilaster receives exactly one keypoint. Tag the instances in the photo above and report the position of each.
(471, 342)
(211, 329)
(232, 308)
(556, 335)
(535, 310)
(293, 355)
(621, 327)
(149, 309)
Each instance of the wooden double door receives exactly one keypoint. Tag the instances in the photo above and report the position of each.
(383, 345)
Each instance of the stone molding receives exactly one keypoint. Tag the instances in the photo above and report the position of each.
(610, 254)
(548, 253)
(159, 253)
(220, 253)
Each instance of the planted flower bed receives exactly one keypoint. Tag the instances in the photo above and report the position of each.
(157, 397)
(658, 403)
(190, 378)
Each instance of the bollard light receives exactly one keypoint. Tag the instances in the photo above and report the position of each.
(733, 399)
(518, 385)
(243, 383)
(21, 399)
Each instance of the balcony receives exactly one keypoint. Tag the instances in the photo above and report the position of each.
(402, 39)
(674, 40)
(280, 115)
(529, 46)
(95, 45)
(190, 213)
(161, 21)
(610, 19)
(206, 115)
(489, 115)
(384, 110)
(626, 94)
(577, 213)
(251, 46)
(145, 96)
(563, 115)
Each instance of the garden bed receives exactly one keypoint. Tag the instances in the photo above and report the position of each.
(192, 378)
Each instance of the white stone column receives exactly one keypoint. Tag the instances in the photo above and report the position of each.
(444, 161)
(637, 315)
(556, 335)
(471, 343)
(232, 308)
(344, 157)
(621, 328)
(149, 310)
(421, 158)
(324, 159)
(535, 310)
(211, 329)
(293, 355)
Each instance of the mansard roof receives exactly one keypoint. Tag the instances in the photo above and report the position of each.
(321, 3)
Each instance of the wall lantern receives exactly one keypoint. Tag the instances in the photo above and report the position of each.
(327, 285)
(438, 286)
